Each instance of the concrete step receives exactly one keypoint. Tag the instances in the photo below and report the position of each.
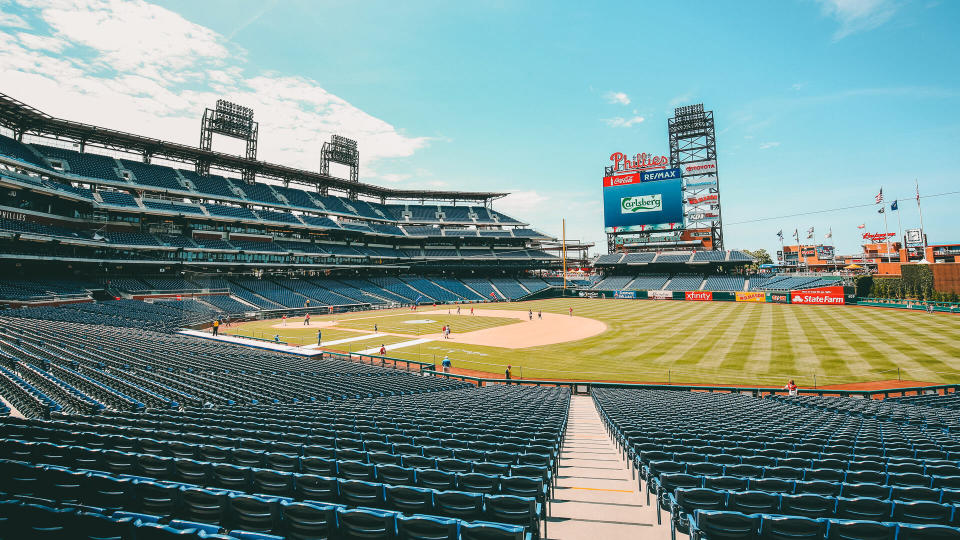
(596, 494)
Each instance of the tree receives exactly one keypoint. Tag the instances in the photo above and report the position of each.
(761, 256)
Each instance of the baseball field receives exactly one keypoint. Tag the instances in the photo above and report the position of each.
(651, 341)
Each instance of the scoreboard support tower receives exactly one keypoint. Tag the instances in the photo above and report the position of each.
(693, 148)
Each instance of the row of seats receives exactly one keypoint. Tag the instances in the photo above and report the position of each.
(707, 524)
(828, 458)
(161, 178)
(133, 502)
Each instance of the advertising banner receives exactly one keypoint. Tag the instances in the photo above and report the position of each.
(704, 198)
(645, 228)
(699, 167)
(643, 203)
(625, 295)
(665, 174)
(808, 251)
(660, 295)
(751, 296)
(621, 179)
(624, 179)
(698, 296)
(820, 295)
(778, 298)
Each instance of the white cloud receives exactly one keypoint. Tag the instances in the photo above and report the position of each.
(617, 98)
(682, 99)
(621, 122)
(771, 144)
(522, 203)
(857, 15)
(139, 67)
(394, 178)
(12, 21)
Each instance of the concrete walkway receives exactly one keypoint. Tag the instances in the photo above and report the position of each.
(595, 497)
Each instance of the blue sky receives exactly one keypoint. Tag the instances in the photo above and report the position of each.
(818, 103)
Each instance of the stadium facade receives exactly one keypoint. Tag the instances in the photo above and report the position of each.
(88, 202)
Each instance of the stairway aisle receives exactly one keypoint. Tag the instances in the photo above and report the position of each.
(595, 497)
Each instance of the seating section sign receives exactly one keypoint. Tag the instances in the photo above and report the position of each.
(820, 295)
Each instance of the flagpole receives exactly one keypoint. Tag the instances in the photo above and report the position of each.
(563, 250)
(899, 223)
(886, 230)
(922, 234)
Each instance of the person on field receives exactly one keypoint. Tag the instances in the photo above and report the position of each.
(216, 326)
(791, 388)
(383, 350)
(530, 314)
(284, 321)
(458, 309)
(375, 328)
(471, 310)
(540, 314)
(506, 374)
(306, 320)
(446, 364)
(319, 337)
(571, 312)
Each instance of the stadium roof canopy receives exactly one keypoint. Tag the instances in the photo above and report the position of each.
(22, 118)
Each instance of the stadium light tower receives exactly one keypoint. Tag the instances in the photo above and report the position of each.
(231, 120)
(693, 148)
(343, 151)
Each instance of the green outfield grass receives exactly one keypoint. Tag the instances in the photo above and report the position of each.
(711, 342)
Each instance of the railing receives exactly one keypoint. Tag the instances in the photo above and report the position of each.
(384, 361)
(587, 386)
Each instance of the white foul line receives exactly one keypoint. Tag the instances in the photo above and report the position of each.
(345, 340)
(410, 343)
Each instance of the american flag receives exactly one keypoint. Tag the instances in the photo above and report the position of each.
(880, 196)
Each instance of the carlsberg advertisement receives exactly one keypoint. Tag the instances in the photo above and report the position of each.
(643, 203)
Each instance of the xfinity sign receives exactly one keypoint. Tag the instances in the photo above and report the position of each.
(642, 203)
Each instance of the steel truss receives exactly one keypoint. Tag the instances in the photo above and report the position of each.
(234, 121)
(693, 141)
(343, 151)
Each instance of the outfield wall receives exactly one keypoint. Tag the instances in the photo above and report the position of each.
(815, 296)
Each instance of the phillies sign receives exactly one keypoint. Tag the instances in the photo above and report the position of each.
(640, 162)
(699, 296)
(820, 295)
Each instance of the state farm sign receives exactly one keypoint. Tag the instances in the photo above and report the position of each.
(699, 296)
(820, 295)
